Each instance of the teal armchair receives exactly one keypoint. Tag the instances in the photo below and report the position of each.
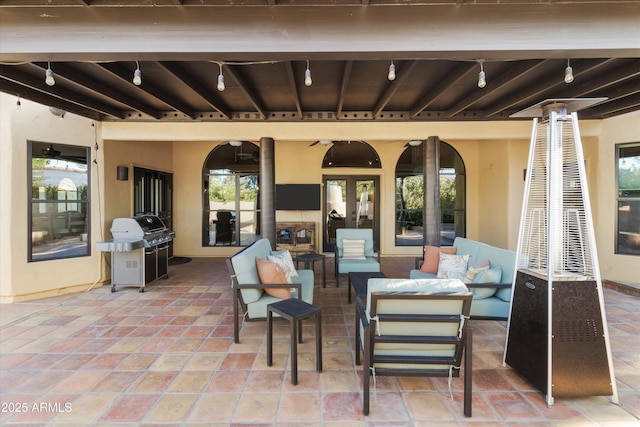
(353, 258)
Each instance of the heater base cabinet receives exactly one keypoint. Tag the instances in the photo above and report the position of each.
(579, 364)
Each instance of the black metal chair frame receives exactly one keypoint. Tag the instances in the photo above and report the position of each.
(239, 306)
(462, 342)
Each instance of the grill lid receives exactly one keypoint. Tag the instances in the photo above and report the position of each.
(147, 227)
(150, 223)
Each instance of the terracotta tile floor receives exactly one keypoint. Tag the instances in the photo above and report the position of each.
(166, 357)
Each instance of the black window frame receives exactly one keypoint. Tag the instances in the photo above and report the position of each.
(64, 152)
(458, 213)
(627, 231)
(237, 162)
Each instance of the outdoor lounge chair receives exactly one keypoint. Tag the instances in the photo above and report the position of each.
(414, 328)
(359, 254)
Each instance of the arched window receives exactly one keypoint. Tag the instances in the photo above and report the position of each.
(350, 154)
(410, 196)
(231, 214)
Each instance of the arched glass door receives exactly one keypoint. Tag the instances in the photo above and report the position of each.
(350, 202)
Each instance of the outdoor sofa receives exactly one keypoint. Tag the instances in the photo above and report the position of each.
(491, 287)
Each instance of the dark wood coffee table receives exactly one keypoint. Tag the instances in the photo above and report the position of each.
(359, 283)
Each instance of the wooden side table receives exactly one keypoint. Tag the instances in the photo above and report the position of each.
(309, 263)
(294, 310)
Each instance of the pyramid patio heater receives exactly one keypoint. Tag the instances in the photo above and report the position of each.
(557, 334)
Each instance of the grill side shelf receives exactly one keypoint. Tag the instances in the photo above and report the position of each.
(120, 246)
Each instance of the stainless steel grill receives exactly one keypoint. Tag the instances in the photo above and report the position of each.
(139, 250)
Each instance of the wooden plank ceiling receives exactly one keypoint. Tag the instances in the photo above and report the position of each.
(346, 86)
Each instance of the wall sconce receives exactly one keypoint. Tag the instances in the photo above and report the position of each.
(123, 173)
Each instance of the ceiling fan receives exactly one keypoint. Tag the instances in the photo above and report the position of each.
(322, 142)
(243, 155)
(413, 143)
(50, 152)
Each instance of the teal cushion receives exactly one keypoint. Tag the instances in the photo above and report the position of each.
(358, 265)
(504, 294)
(410, 285)
(417, 274)
(492, 275)
(499, 257)
(466, 246)
(355, 233)
(490, 307)
(244, 266)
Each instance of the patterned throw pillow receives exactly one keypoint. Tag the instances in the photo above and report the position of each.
(475, 269)
(284, 260)
(353, 249)
(270, 273)
(432, 257)
(452, 266)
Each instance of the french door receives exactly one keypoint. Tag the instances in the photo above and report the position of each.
(153, 194)
(350, 202)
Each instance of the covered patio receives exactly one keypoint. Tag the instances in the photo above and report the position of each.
(167, 357)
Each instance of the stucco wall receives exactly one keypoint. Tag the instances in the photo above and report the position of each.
(118, 195)
(495, 155)
(21, 279)
(622, 268)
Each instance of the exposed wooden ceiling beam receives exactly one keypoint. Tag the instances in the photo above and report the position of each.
(19, 75)
(494, 84)
(214, 101)
(344, 84)
(606, 79)
(619, 106)
(402, 73)
(537, 90)
(126, 75)
(440, 87)
(26, 92)
(248, 90)
(293, 87)
(109, 92)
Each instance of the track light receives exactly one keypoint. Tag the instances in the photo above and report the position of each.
(307, 76)
(392, 72)
(137, 75)
(49, 80)
(568, 73)
(221, 85)
(482, 77)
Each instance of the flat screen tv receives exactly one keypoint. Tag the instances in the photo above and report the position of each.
(298, 197)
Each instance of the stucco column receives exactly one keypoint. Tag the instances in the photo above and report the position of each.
(431, 185)
(268, 190)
